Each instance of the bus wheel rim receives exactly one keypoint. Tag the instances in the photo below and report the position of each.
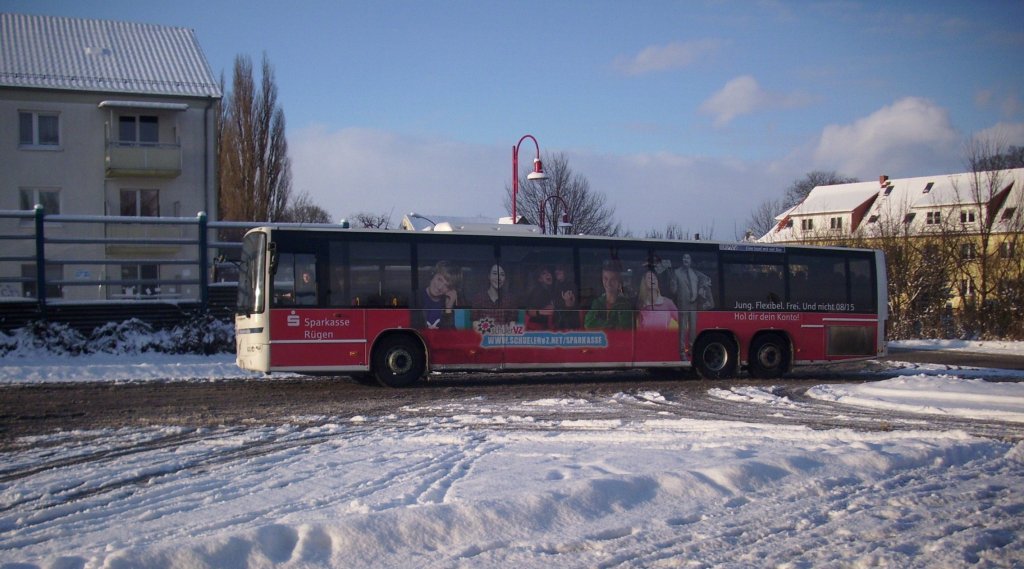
(399, 361)
(769, 356)
(715, 357)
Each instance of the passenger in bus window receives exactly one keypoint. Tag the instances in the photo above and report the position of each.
(612, 309)
(540, 301)
(305, 289)
(439, 299)
(656, 312)
(495, 302)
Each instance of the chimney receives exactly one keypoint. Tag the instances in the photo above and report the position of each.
(882, 180)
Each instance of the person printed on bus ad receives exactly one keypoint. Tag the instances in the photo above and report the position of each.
(692, 292)
(611, 310)
(655, 312)
(495, 302)
(540, 301)
(439, 299)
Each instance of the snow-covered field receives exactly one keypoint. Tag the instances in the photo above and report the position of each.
(479, 486)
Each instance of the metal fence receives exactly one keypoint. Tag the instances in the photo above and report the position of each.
(54, 261)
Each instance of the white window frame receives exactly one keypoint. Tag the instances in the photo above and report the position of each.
(968, 251)
(35, 198)
(835, 223)
(136, 138)
(806, 225)
(933, 218)
(34, 143)
(138, 201)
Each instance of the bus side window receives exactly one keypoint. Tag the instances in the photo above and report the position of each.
(284, 280)
(380, 274)
(295, 280)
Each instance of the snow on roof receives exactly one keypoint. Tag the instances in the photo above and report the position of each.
(836, 198)
(76, 54)
(903, 195)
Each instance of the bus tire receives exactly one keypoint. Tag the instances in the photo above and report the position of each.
(769, 356)
(398, 361)
(715, 356)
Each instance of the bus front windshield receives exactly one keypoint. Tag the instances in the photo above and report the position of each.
(251, 277)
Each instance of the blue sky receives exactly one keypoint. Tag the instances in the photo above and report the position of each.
(684, 112)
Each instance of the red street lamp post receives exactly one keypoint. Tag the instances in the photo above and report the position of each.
(537, 174)
(544, 207)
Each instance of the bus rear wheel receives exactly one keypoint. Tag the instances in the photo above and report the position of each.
(769, 356)
(398, 361)
(715, 356)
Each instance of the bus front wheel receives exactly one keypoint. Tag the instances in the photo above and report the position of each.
(398, 361)
(769, 356)
(715, 356)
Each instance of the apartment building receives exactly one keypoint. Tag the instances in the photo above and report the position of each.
(967, 227)
(103, 118)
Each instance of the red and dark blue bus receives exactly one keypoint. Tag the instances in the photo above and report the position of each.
(396, 305)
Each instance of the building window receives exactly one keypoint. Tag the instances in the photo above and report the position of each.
(140, 280)
(1008, 213)
(54, 273)
(873, 219)
(966, 287)
(38, 129)
(1007, 249)
(909, 218)
(933, 218)
(835, 223)
(966, 216)
(49, 198)
(143, 129)
(968, 251)
(806, 224)
(928, 187)
(140, 203)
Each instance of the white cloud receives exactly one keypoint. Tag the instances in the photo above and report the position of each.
(911, 137)
(744, 95)
(353, 170)
(664, 57)
(1005, 134)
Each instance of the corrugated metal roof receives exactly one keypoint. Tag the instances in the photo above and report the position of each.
(49, 52)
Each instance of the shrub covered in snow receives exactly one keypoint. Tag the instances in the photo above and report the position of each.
(200, 334)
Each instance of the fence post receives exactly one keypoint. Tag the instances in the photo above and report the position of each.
(40, 260)
(204, 255)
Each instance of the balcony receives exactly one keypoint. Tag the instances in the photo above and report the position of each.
(146, 160)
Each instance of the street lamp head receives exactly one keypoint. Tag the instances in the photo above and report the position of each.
(538, 171)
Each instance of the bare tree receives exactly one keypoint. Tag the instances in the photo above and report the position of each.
(919, 270)
(564, 192)
(301, 209)
(372, 220)
(674, 232)
(989, 273)
(255, 172)
(762, 218)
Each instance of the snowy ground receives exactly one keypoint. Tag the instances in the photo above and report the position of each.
(480, 486)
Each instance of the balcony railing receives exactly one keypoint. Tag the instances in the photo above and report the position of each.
(143, 159)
